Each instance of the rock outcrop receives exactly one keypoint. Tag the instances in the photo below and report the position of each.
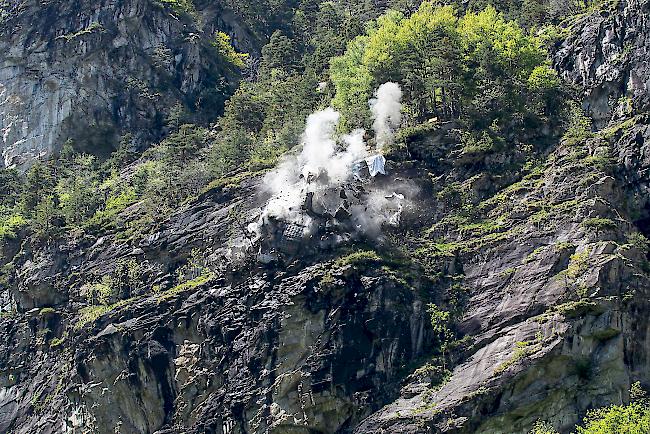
(96, 71)
(606, 57)
(538, 256)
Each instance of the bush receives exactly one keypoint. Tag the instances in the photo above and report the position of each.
(620, 419)
(221, 42)
(543, 428)
(115, 204)
(578, 125)
(10, 225)
(180, 6)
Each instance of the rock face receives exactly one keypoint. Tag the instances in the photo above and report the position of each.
(546, 278)
(552, 322)
(251, 350)
(606, 56)
(98, 70)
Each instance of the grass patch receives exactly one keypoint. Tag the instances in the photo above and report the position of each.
(57, 342)
(522, 350)
(90, 314)
(578, 265)
(575, 309)
(360, 257)
(46, 311)
(186, 286)
(531, 257)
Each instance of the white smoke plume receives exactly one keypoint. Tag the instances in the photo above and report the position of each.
(319, 165)
(325, 163)
(386, 108)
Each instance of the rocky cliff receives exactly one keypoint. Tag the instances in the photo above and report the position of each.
(545, 274)
(95, 72)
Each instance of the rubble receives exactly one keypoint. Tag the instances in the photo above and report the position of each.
(330, 214)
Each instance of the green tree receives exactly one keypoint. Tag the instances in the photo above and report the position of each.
(44, 217)
(78, 190)
(39, 183)
(281, 52)
(479, 67)
(221, 41)
(11, 185)
(183, 144)
(123, 155)
(633, 418)
(440, 324)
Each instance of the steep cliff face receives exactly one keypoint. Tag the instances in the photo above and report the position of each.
(606, 56)
(95, 71)
(547, 278)
(553, 321)
(314, 346)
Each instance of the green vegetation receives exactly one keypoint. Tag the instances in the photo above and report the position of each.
(483, 69)
(479, 144)
(564, 246)
(10, 224)
(357, 258)
(478, 67)
(578, 128)
(599, 224)
(532, 255)
(533, 14)
(633, 418)
(180, 6)
(639, 241)
(57, 342)
(95, 26)
(90, 314)
(578, 308)
(440, 322)
(578, 265)
(131, 193)
(186, 286)
(222, 43)
(46, 311)
(522, 350)
(543, 428)
(437, 375)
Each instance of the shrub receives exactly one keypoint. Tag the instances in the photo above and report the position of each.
(541, 427)
(440, 323)
(639, 241)
(221, 42)
(10, 225)
(620, 419)
(108, 217)
(357, 258)
(180, 6)
(578, 126)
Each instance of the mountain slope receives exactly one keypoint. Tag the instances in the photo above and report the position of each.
(513, 288)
